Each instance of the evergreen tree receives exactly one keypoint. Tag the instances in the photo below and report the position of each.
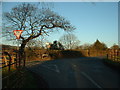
(99, 46)
(56, 46)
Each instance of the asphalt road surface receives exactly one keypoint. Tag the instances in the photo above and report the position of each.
(86, 72)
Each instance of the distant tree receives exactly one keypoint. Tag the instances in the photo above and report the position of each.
(115, 46)
(69, 41)
(99, 45)
(84, 46)
(34, 21)
(61, 47)
(56, 46)
(35, 44)
(7, 47)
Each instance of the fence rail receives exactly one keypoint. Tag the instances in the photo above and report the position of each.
(10, 61)
(114, 55)
(13, 78)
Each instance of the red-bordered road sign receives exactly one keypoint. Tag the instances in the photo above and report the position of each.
(17, 33)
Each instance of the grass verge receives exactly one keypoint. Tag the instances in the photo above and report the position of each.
(29, 80)
(112, 64)
(23, 79)
(34, 80)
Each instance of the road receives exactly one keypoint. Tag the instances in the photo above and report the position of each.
(85, 72)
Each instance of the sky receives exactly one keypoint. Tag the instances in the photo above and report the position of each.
(93, 21)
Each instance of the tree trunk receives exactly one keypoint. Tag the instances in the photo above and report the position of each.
(22, 53)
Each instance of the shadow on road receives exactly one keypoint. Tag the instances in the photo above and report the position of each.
(65, 54)
(81, 72)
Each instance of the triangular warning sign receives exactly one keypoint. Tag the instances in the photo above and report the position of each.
(18, 33)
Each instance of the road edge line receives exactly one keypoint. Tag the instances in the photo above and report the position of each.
(90, 79)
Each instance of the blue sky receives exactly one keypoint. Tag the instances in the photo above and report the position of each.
(92, 21)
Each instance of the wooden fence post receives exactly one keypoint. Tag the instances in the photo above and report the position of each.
(115, 55)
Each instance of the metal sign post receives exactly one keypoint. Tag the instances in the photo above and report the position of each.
(17, 51)
(18, 33)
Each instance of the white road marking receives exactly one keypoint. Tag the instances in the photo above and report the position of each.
(89, 78)
(57, 68)
(50, 68)
(32, 64)
(74, 65)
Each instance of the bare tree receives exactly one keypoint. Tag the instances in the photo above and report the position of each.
(34, 21)
(35, 44)
(84, 46)
(69, 41)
